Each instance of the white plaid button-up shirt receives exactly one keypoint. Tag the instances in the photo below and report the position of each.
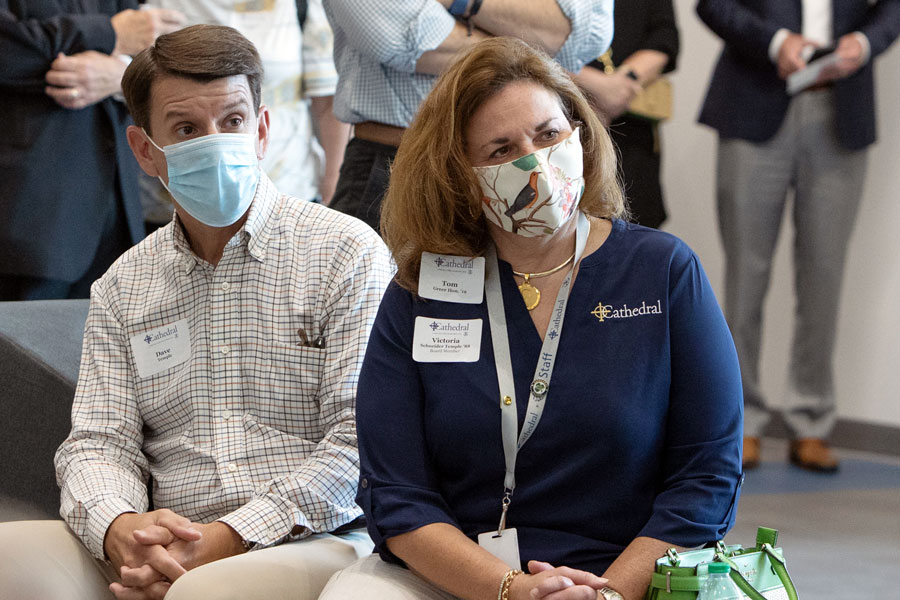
(256, 427)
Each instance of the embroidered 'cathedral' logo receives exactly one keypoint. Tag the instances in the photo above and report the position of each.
(605, 312)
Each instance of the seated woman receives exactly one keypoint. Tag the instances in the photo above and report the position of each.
(592, 398)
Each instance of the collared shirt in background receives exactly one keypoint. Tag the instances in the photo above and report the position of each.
(256, 428)
(817, 21)
(378, 42)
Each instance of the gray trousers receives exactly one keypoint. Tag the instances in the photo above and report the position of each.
(753, 181)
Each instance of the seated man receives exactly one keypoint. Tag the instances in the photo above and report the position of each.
(220, 362)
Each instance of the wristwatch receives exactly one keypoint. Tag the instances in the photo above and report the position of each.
(610, 594)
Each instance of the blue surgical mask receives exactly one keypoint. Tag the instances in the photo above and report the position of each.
(213, 177)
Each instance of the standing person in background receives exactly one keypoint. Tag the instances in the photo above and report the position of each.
(645, 46)
(814, 143)
(307, 147)
(388, 55)
(69, 198)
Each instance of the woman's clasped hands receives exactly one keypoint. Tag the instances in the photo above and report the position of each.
(546, 582)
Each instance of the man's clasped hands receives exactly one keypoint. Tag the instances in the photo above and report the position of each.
(151, 550)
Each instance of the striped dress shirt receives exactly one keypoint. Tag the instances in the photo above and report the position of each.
(378, 42)
(254, 426)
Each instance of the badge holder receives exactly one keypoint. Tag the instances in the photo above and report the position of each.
(503, 543)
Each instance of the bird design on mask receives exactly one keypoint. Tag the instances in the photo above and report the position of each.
(526, 196)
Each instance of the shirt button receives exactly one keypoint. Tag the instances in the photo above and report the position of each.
(225, 349)
(227, 414)
(364, 483)
(226, 286)
(317, 525)
(232, 467)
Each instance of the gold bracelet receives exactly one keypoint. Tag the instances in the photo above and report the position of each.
(503, 594)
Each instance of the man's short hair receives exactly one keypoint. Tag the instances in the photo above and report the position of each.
(200, 52)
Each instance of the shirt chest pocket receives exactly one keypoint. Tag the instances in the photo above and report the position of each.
(288, 390)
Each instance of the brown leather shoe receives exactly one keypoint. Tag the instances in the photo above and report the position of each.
(751, 453)
(813, 454)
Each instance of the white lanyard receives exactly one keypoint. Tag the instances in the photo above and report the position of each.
(540, 384)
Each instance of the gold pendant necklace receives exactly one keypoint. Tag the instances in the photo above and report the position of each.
(530, 294)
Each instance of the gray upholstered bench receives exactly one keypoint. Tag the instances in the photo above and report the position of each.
(40, 348)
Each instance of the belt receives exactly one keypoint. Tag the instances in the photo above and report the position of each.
(379, 133)
(820, 87)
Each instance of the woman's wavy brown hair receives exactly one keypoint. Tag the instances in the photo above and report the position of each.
(433, 202)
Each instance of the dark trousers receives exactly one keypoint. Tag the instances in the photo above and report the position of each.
(639, 166)
(363, 181)
(114, 241)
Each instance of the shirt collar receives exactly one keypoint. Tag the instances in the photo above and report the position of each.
(259, 222)
(257, 228)
(176, 236)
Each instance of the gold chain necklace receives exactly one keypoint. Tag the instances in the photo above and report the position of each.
(530, 294)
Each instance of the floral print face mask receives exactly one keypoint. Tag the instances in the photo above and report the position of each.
(535, 194)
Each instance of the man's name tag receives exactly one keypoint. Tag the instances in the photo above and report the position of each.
(504, 546)
(162, 348)
(446, 340)
(452, 278)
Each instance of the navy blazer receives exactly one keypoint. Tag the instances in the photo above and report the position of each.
(746, 98)
(61, 171)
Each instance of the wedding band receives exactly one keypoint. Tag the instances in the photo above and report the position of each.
(74, 93)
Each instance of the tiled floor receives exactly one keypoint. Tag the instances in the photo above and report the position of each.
(840, 533)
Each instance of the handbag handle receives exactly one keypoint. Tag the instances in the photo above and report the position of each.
(777, 565)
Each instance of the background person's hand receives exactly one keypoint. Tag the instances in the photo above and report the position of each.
(137, 29)
(790, 55)
(82, 79)
(547, 582)
(610, 94)
(850, 58)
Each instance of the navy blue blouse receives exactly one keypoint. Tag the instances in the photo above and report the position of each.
(641, 432)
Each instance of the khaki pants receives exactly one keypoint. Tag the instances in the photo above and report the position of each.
(371, 577)
(44, 560)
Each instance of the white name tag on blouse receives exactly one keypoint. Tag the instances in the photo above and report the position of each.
(505, 546)
(446, 340)
(452, 278)
(161, 348)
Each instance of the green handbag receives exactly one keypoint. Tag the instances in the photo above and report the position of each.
(759, 572)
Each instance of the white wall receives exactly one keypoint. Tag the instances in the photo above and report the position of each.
(867, 358)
